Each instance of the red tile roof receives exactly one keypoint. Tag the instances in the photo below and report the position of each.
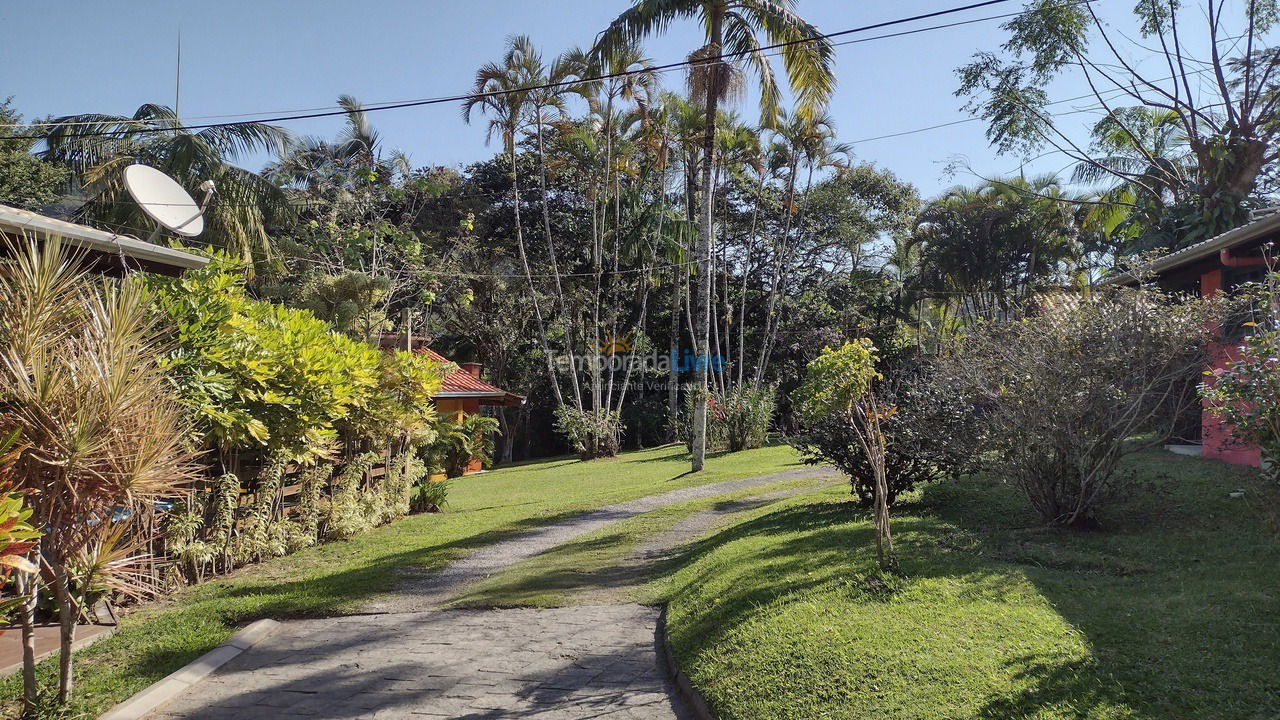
(461, 383)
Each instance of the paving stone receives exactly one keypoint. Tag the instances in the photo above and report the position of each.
(408, 659)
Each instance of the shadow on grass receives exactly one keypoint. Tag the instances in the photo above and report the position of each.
(1174, 586)
(1176, 600)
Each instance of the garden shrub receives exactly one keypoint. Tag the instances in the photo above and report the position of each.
(460, 439)
(256, 377)
(931, 434)
(1066, 393)
(305, 528)
(253, 374)
(403, 472)
(198, 529)
(736, 420)
(841, 386)
(346, 517)
(428, 496)
(591, 433)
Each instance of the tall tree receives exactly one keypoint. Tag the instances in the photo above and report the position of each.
(1222, 85)
(733, 33)
(502, 91)
(26, 181)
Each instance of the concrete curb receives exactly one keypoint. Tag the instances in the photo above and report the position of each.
(179, 681)
(692, 698)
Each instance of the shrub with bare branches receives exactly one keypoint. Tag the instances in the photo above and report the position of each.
(1070, 390)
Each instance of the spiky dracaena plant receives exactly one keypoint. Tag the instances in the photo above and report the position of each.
(260, 535)
(78, 377)
(346, 516)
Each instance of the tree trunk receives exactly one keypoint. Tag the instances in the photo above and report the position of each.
(702, 337)
(67, 634)
(555, 268)
(784, 276)
(788, 206)
(29, 585)
(533, 292)
(673, 375)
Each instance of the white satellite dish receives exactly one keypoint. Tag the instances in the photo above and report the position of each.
(164, 200)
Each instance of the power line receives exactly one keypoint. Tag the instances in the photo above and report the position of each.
(568, 83)
(124, 229)
(1112, 91)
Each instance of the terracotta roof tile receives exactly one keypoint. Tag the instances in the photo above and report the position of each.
(460, 381)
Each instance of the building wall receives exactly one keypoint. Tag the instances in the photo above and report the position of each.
(469, 406)
(1218, 443)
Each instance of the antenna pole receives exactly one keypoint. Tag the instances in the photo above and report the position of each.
(177, 81)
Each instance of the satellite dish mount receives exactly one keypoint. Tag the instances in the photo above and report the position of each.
(165, 201)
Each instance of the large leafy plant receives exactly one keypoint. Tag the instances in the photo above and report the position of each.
(254, 374)
(459, 440)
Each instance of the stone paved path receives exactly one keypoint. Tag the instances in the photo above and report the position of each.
(578, 662)
(435, 588)
(405, 659)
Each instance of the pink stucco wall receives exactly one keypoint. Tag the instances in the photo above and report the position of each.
(1217, 441)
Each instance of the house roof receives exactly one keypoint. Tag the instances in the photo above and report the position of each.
(460, 383)
(1255, 230)
(149, 256)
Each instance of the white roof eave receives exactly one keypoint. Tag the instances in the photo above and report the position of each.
(1207, 248)
(20, 221)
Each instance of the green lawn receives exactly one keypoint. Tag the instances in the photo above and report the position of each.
(338, 577)
(596, 568)
(1173, 611)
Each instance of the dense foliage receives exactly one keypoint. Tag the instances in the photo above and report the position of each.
(254, 374)
(738, 419)
(931, 434)
(26, 181)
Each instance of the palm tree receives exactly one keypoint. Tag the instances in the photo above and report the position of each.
(987, 248)
(547, 104)
(1146, 159)
(807, 140)
(732, 45)
(335, 169)
(631, 81)
(502, 92)
(99, 148)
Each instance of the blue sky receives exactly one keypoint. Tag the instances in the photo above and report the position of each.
(243, 56)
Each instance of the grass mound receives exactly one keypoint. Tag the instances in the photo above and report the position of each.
(1170, 612)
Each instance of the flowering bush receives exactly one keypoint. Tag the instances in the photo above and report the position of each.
(1246, 391)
